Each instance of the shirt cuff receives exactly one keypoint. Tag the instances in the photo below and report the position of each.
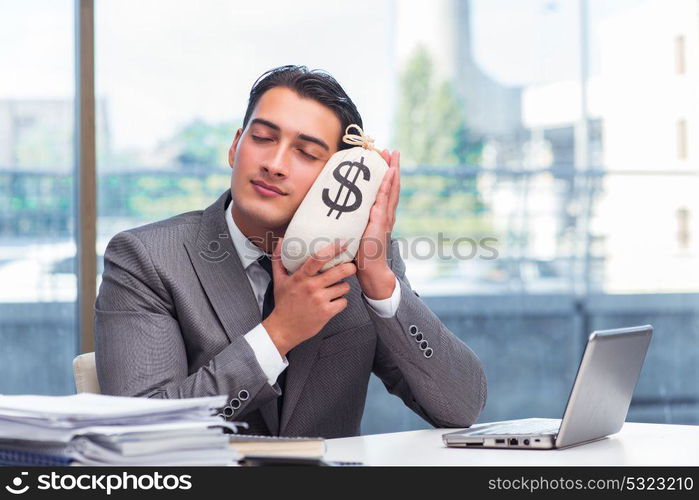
(271, 362)
(386, 308)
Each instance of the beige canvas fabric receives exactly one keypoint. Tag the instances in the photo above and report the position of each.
(336, 207)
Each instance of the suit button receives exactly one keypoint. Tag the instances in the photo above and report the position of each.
(412, 329)
(419, 337)
(235, 403)
(428, 352)
(424, 345)
(228, 411)
(243, 395)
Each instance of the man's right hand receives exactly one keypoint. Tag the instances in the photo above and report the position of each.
(306, 300)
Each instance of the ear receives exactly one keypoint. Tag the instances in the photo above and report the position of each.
(234, 146)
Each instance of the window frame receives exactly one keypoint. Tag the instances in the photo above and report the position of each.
(85, 172)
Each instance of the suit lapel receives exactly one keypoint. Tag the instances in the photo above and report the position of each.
(226, 284)
(301, 360)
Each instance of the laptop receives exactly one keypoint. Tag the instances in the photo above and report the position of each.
(597, 405)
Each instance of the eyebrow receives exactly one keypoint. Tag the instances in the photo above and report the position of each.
(303, 137)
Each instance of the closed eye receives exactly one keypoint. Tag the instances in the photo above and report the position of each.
(257, 138)
(307, 155)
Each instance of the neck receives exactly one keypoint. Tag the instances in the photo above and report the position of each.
(262, 237)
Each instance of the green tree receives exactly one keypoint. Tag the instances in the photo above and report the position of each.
(431, 129)
(200, 143)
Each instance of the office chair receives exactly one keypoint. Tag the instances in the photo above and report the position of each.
(85, 373)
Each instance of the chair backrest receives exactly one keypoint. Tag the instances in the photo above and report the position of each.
(85, 373)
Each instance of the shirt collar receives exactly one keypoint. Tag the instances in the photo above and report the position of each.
(247, 250)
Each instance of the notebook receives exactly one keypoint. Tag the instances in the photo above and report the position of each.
(19, 453)
(271, 445)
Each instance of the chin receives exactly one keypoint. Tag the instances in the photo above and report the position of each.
(263, 214)
(275, 221)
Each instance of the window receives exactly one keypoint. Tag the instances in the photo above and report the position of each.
(545, 188)
(38, 331)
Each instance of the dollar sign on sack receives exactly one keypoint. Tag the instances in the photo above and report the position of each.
(352, 190)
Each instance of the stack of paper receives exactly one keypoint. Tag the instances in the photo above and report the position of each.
(93, 429)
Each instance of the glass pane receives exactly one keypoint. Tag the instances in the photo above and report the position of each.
(581, 173)
(484, 180)
(647, 204)
(644, 93)
(38, 330)
(541, 197)
(170, 97)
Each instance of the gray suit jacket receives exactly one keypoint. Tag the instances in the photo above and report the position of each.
(175, 304)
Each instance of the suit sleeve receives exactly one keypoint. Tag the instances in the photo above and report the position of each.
(441, 380)
(139, 346)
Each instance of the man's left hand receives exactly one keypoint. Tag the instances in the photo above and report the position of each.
(373, 272)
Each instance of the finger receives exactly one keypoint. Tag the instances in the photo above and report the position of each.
(337, 306)
(384, 190)
(336, 291)
(337, 273)
(388, 177)
(385, 155)
(325, 254)
(395, 159)
(395, 185)
(278, 270)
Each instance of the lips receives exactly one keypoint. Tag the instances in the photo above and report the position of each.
(265, 188)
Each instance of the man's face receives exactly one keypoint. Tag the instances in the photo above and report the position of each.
(285, 145)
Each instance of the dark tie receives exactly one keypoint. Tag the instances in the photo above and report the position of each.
(267, 306)
(268, 302)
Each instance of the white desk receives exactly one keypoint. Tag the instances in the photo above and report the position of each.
(636, 444)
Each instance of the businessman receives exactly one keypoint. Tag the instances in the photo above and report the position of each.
(200, 304)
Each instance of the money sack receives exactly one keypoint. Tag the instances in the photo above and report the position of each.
(337, 205)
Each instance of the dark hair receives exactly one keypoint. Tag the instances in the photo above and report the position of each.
(312, 84)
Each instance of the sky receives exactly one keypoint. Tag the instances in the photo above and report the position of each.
(521, 42)
(162, 63)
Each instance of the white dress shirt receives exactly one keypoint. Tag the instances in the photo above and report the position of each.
(269, 358)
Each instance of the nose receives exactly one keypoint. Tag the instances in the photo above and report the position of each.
(276, 165)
